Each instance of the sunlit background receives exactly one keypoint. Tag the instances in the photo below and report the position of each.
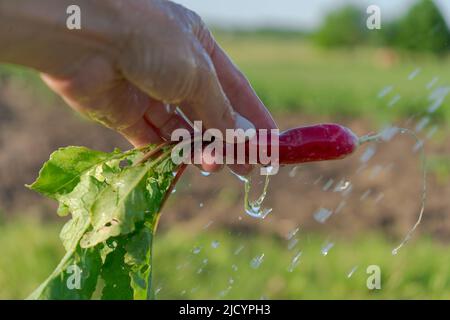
(309, 61)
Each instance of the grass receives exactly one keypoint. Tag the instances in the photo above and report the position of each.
(290, 74)
(31, 249)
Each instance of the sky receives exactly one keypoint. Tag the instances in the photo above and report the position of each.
(302, 14)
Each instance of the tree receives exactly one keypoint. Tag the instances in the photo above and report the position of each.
(343, 28)
(423, 29)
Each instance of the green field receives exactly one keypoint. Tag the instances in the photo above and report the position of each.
(30, 250)
(290, 75)
(293, 75)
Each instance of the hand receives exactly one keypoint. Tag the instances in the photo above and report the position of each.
(134, 60)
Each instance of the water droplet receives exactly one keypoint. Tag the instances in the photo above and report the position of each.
(352, 271)
(365, 195)
(254, 208)
(340, 206)
(422, 123)
(256, 261)
(432, 82)
(326, 248)
(196, 250)
(394, 100)
(385, 91)
(207, 225)
(322, 215)
(201, 205)
(292, 243)
(347, 192)
(388, 133)
(435, 104)
(238, 250)
(205, 173)
(234, 268)
(295, 261)
(414, 74)
(318, 180)
(292, 233)
(368, 154)
(328, 184)
(376, 170)
(215, 244)
(293, 172)
(379, 197)
(418, 146)
(223, 293)
(174, 190)
(431, 132)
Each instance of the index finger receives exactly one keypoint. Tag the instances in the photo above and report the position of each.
(240, 93)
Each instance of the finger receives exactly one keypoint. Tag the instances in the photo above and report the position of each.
(164, 119)
(235, 85)
(141, 134)
(207, 99)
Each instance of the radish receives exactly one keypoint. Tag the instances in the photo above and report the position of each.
(314, 143)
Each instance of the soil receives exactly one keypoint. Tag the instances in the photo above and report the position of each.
(385, 191)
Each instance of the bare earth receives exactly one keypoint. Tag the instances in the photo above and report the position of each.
(381, 194)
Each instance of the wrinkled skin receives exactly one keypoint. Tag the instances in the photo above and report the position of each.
(130, 64)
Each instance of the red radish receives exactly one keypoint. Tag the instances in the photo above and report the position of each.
(307, 144)
(316, 143)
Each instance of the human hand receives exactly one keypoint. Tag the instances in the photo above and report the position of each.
(134, 60)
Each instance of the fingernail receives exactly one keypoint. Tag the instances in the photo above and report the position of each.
(245, 124)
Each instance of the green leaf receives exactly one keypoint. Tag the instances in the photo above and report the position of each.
(114, 204)
(75, 277)
(62, 172)
(139, 257)
(116, 274)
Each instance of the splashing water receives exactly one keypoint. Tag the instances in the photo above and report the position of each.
(215, 244)
(254, 208)
(293, 172)
(368, 154)
(322, 215)
(326, 248)
(418, 146)
(328, 184)
(340, 206)
(196, 250)
(292, 233)
(365, 195)
(414, 74)
(385, 91)
(205, 173)
(292, 243)
(295, 261)
(394, 100)
(256, 261)
(238, 250)
(352, 271)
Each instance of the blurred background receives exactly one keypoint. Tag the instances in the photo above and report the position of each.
(309, 61)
